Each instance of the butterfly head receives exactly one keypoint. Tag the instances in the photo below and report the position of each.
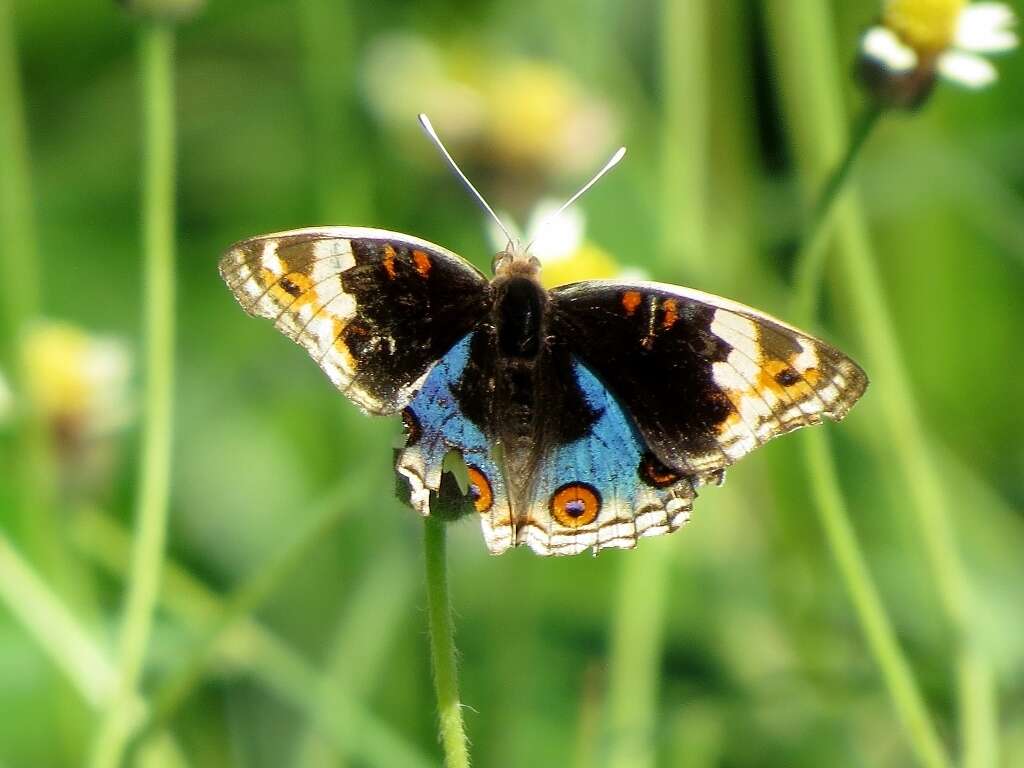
(515, 260)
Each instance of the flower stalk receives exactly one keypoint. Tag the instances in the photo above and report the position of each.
(156, 62)
(442, 645)
(638, 623)
(810, 76)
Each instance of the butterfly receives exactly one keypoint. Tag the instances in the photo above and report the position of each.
(586, 415)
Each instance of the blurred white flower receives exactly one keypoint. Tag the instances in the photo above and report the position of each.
(561, 245)
(919, 39)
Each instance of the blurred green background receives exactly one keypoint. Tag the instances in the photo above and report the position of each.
(291, 626)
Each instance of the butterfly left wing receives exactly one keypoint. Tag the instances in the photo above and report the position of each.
(375, 309)
(705, 380)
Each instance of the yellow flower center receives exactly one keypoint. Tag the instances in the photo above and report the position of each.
(928, 26)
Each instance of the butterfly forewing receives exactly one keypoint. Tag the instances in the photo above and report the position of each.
(706, 380)
(375, 309)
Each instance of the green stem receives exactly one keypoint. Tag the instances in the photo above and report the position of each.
(71, 647)
(156, 61)
(17, 219)
(812, 89)
(830, 505)
(874, 620)
(362, 643)
(636, 649)
(684, 136)
(19, 258)
(353, 730)
(637, 632)
(442, 645)
(246, 599)
(54, 627)
(810, 263)
(337, 172)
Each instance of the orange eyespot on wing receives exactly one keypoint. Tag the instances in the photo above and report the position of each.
(575, 505)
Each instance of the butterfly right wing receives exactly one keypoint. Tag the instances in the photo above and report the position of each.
(375, 309)
(705, 379)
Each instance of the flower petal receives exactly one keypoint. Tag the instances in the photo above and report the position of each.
(882, 45)
(985, 28)
(966, 69)
(558, 238)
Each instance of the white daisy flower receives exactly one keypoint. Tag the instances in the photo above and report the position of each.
(919, 39)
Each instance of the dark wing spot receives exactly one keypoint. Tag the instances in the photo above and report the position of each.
(289, 286)
(787, 377)
(653, 472)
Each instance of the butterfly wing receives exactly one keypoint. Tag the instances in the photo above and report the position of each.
(602, 489)
(704, 379)
(375, 309)
(584, 481)
(436, 423)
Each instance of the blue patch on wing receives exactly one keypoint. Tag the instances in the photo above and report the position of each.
(605, 461)
(441, 426)
(606, 458)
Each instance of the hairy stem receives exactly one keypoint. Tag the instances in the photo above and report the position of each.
(442, 646)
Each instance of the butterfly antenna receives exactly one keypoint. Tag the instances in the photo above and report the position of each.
(612, 162)
(428, 129)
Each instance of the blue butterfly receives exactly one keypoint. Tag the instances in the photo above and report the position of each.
(586, 415)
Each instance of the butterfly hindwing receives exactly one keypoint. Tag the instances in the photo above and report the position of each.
(375, 309)
(435, 424)
(603, 489)
(704, 379)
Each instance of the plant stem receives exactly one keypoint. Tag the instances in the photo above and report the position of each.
(874, 620)
(360, 648)
(442, 645)
(17, 219)
(636, 648)
(637, 631)
(156, 61)
(805, 54)
(19, 258)
(338, 174)
(684, 134)
(54, 627)
(71, 647)
(829, 502)
(244, 600)
(810, 261)
(354, 731)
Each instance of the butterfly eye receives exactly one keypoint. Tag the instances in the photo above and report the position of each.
(500, 260)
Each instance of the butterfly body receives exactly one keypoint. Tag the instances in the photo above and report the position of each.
(586, 415)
